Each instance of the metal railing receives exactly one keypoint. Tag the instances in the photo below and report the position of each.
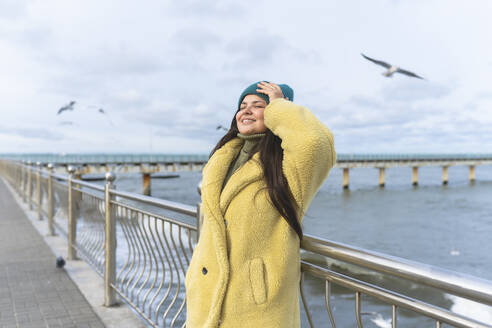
(142, 247)
(441, 280)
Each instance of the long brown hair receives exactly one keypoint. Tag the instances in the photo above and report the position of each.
(271, 156)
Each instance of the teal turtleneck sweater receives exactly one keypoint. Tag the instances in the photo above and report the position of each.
(249, 142)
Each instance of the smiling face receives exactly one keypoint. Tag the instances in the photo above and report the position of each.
(249, 118)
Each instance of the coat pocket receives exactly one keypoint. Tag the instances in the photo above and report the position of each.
(257, 280)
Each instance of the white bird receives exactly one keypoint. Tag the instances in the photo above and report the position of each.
(391, 69)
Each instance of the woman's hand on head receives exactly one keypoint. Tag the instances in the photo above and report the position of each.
(272, 90)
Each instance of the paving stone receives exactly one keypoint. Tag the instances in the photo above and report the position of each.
(97, 325)
(35, 324)
(33, 292)
(13, 325)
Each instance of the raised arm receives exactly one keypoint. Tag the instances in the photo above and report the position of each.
(308, 145)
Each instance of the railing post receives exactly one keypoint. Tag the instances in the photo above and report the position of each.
(23, 183)
(50, 201)
(110, 243)
(72, 221)
(38, 189)
(19, 179)
(29, 184)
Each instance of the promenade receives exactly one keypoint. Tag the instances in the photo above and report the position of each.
(33, 292)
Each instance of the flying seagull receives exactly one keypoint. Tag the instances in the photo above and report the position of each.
(66, 107)
(221, 127)
(391, 69)
(102, 111)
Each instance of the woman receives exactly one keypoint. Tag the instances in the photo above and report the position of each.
(256, 187)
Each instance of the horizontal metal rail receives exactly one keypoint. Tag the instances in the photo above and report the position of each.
(79, 182)
(459, 284)
(156, 216)
(165, 204)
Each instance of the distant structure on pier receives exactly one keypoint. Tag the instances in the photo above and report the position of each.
(149, 164)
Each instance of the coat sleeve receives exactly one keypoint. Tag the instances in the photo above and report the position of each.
(308, 145)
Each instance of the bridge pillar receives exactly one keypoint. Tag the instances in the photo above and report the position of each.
(382, 172)
(444, 175)
(77, 175)
(146, 180)
(472, 173)
(345, 178)
(174, 167)
(415, 175)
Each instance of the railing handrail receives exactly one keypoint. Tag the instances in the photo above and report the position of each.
(165, 204)
(60, 176)
(456, 283)
(88, 185)
(202, 158)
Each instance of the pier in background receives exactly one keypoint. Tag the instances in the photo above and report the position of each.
(157, 165)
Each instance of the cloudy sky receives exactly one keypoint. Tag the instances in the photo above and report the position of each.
(168, 72)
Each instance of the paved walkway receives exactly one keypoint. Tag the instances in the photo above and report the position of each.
(33, 292)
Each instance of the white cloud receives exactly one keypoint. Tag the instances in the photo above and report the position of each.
(168, 72)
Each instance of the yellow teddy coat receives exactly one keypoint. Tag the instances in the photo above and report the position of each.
(245, 268)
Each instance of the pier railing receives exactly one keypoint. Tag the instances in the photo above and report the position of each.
(142, 246)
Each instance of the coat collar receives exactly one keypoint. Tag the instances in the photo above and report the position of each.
(216, 170)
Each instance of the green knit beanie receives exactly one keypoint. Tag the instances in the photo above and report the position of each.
(251, 90)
